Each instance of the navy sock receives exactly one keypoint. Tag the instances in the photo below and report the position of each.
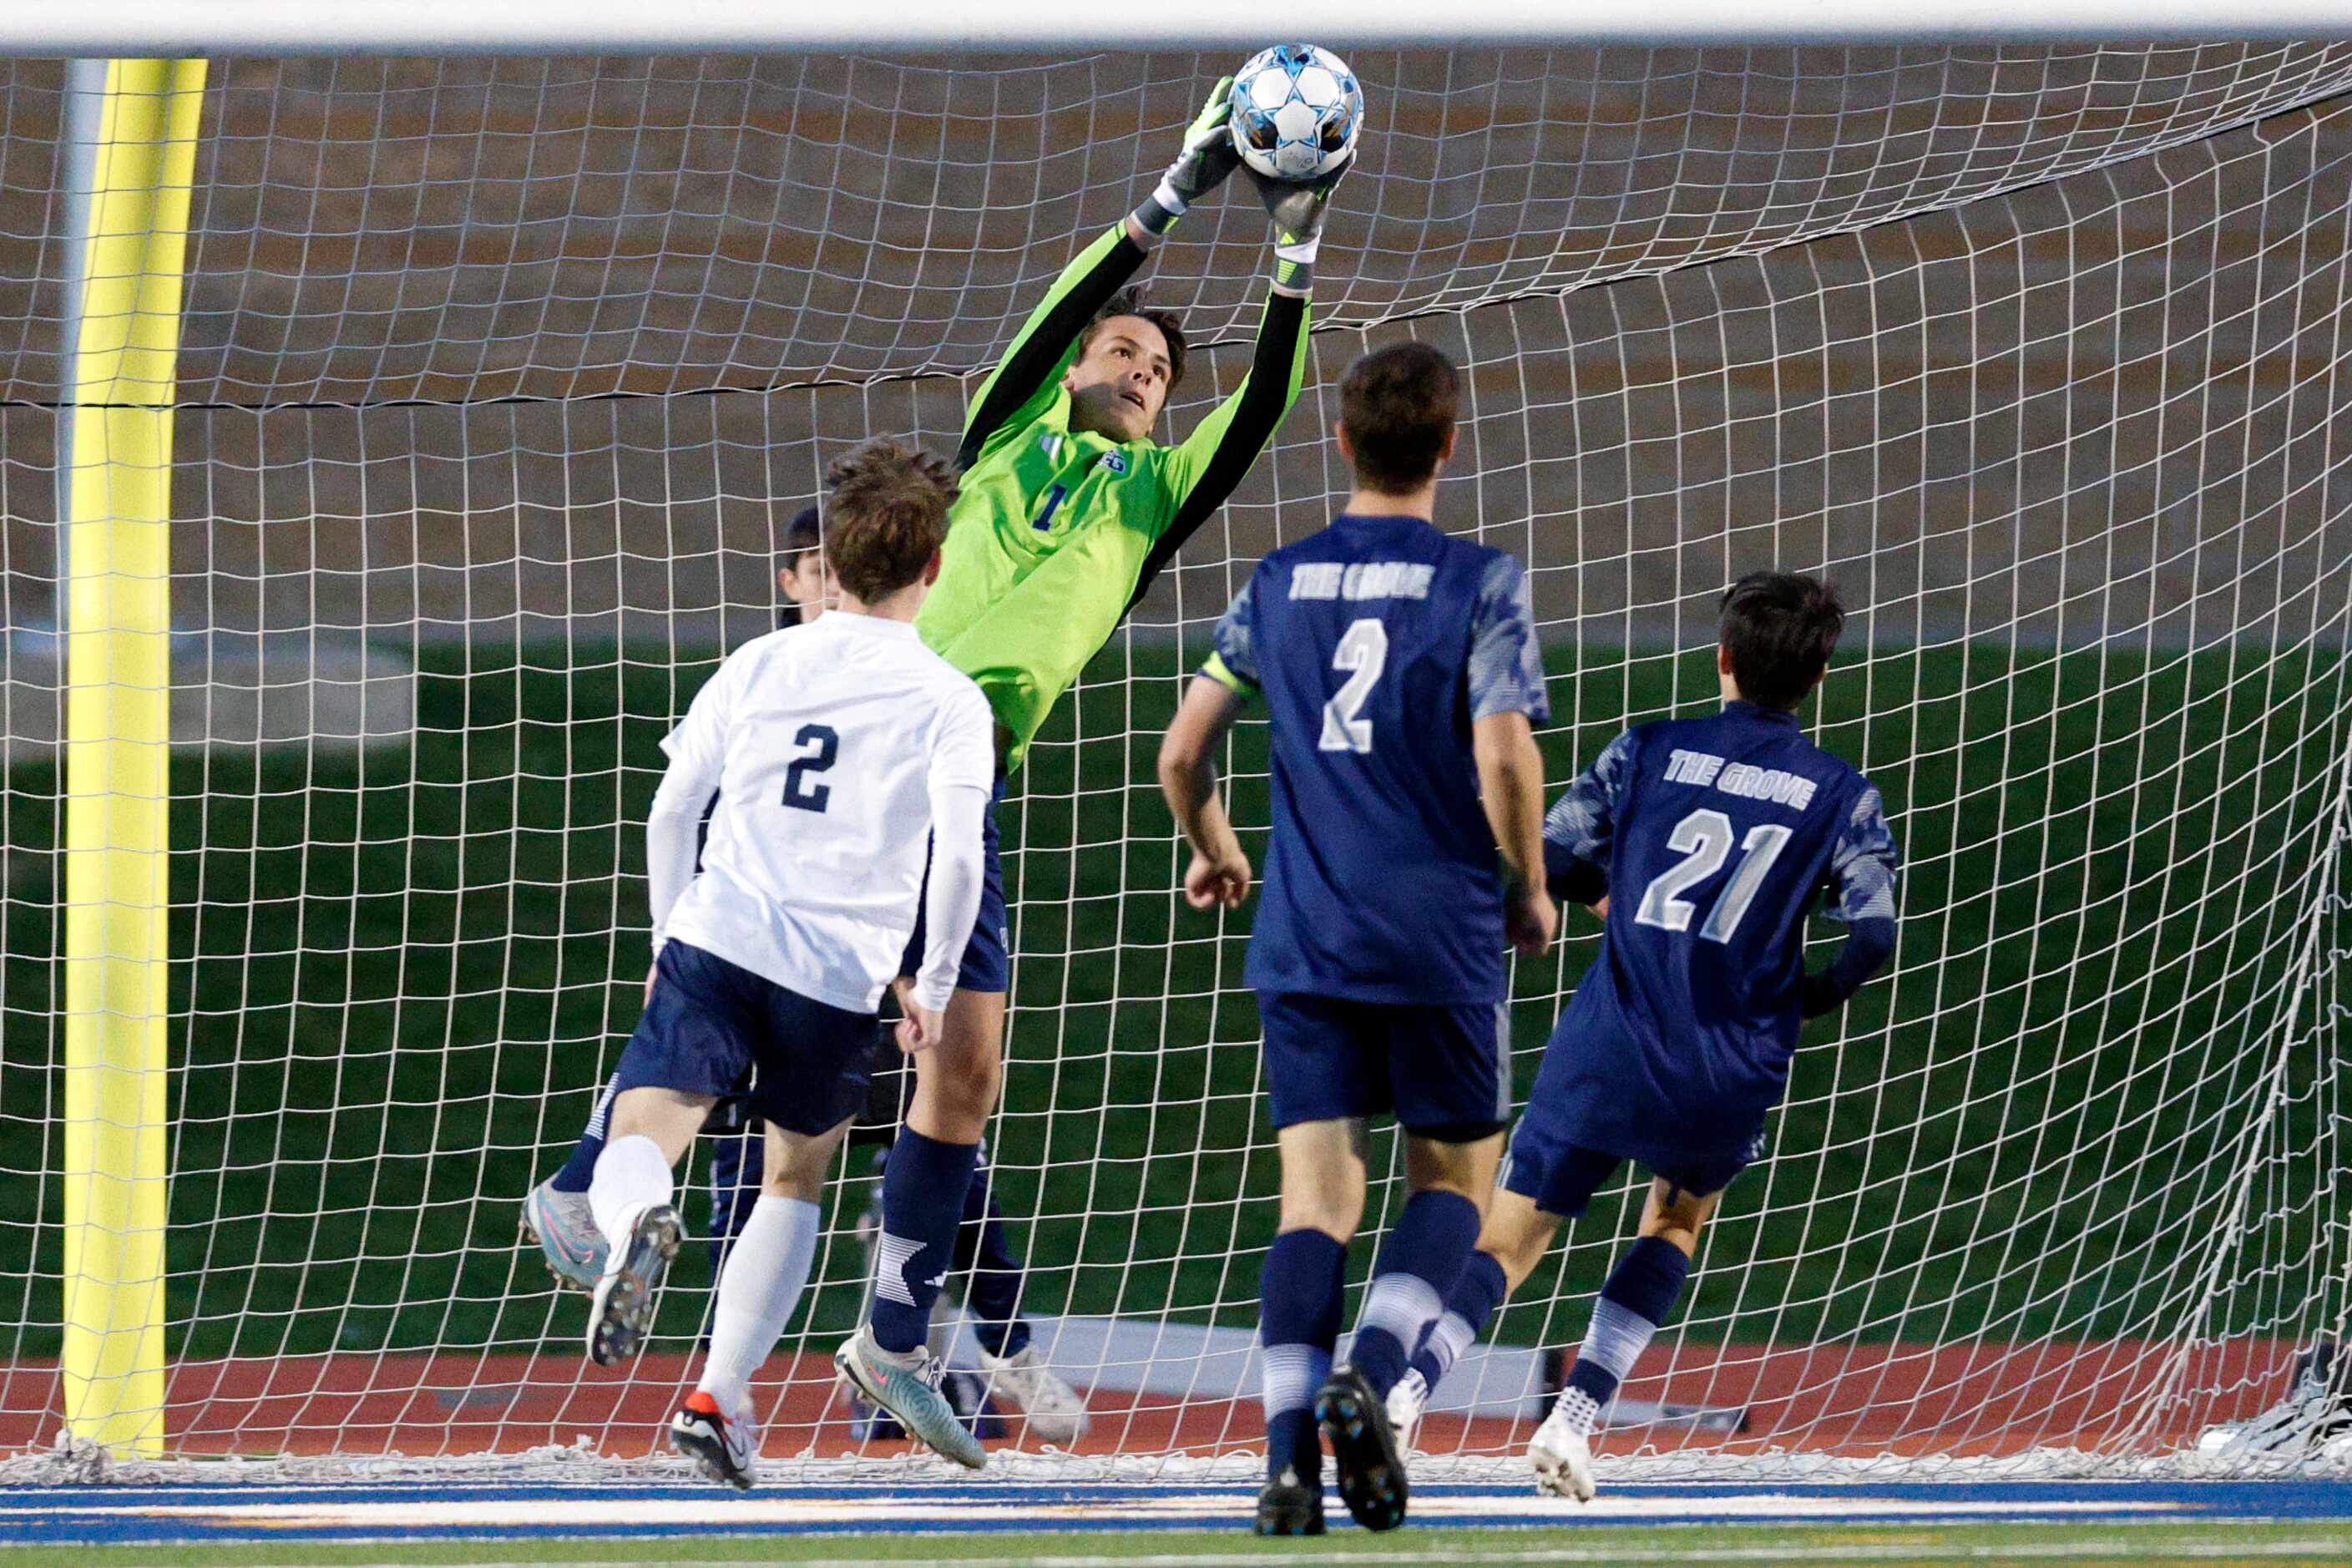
(923, 1190)
(1418, 1270)
(581, 1168)
(984, 1251)
(1467, 1312)
(738, 1162)
(1298, 1322)
(1641, 1292)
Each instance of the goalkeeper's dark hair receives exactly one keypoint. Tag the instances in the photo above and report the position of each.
(888, 515)
(1398, 405)
(1130, 302)
(1781, 629)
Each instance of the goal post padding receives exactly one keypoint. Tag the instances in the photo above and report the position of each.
(500, 379)
(116, 793)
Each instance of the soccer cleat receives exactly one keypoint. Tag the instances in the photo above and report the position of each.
(967, 1391)
(1561, 1455)
(1288, 1506)
(1056, 1413)
(724, 1448)
(2315, 1414)
(621, 1312)
(909, 1388)
(1408, 1402)
(1363, 1450)
(565, 1228)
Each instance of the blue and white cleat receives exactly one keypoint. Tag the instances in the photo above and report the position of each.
(907, 1387)
(620, 1313)
(565, 1228)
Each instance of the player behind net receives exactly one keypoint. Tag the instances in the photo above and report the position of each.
(1401, 679)
(843, 755)
(1703, 843)
(556, 1212)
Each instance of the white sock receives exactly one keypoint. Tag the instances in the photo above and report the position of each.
(766, 1269)
(631, 1177)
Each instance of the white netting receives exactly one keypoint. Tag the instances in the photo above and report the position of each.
(500, 379)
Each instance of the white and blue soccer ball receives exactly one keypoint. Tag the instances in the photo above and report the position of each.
(1297, 110)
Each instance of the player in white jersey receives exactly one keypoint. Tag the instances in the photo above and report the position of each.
(846, 757)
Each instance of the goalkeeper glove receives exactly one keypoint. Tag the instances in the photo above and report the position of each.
(1209, 156)
(1298, 208)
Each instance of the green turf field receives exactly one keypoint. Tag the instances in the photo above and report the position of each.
(403, 984)
(2270, 1545)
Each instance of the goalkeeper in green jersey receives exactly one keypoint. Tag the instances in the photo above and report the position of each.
(1068, 507)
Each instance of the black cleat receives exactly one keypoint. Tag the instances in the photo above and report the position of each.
(1363, 1449)
(1288, 1506)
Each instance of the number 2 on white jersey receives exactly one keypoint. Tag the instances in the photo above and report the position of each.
(1703, 839)
(1363, 649)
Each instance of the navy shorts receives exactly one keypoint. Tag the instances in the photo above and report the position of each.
(714, 1028)
(1444, 1070)
(1559, 1177)
(988, 957)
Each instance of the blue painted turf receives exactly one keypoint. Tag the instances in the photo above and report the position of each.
(224, 1513)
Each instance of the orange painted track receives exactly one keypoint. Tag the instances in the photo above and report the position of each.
(1971, 1398)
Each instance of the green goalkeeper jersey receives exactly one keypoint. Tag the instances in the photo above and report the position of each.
(1056, 532)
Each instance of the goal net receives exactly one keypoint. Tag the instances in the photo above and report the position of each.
(499, 381)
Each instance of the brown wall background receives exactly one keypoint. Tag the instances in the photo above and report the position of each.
(2035, 343)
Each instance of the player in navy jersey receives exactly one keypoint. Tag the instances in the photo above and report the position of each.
(1703, 843)
(1402, 679)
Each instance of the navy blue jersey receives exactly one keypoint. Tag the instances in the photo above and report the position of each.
(1377, 643)
(1713, 837)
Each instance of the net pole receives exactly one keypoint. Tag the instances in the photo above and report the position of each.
(118, 738)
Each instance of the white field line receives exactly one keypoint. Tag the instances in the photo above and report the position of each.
(1887, 1553)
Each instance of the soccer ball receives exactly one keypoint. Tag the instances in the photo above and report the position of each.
(1297, 110)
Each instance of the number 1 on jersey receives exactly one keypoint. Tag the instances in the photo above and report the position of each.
(1363, 649)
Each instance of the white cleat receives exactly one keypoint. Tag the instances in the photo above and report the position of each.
(1562, 1456)
(1056, 1412)
(724, 1448)
(2314, 1421)
(1408, 1402)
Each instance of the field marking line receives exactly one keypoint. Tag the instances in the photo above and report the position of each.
(1890, 1552)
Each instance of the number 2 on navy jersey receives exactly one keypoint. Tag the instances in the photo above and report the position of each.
(1703, 839)
(1364, 649)
(823, 743)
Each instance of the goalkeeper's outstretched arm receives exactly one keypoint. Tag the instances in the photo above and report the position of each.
(1024, 381)
(1212, 459)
